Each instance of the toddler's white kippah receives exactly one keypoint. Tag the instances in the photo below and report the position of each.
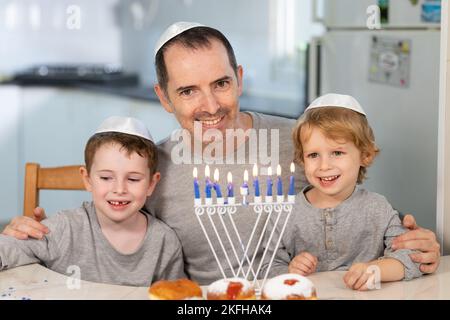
(126, 125)
(336, 100)
(172, 31)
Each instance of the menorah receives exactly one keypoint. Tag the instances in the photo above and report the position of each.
(227, 208)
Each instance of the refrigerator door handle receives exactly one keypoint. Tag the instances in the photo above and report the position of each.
(315, 16)
(313, 70)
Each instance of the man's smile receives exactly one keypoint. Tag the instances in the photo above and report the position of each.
(212, 122)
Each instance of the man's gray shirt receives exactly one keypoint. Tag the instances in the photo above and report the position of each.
(75, 239)
(173, 201)
(360, 229)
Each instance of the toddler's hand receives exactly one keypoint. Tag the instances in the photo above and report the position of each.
(356, 277)
(303, 264)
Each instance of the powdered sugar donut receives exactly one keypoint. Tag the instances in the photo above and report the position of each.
(289, 286)
(231, 289)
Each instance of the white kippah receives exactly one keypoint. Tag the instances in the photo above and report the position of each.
(336, 100)
(172, 31)
(126, 125)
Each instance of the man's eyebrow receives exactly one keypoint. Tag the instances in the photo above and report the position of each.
(224, 78)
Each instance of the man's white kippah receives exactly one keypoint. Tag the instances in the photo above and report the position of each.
(336, 100)
(126, 125)
(174, 30)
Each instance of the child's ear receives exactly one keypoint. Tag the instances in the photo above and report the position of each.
(154, 181)
(86, 179)
(367, 159)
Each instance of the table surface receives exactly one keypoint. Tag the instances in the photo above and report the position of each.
(37, 282)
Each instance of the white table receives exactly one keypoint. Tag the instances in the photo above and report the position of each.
(37, 282)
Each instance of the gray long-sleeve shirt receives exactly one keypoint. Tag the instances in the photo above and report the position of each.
(360, 229)
(75, 239)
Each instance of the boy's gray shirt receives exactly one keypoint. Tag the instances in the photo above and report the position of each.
(360, 229)
(173, 200)
(75, 239)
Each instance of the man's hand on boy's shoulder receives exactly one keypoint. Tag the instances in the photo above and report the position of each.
(420, 239)
(22, 227)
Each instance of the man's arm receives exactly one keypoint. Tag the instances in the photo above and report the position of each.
(22, 227)
(422, 240)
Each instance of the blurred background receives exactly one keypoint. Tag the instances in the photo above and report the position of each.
(67, 65)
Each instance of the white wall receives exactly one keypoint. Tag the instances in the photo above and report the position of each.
(43, 31)
(249, 25)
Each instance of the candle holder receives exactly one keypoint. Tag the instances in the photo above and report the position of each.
(277, 209)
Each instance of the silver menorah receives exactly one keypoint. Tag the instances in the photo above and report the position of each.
(246, 260)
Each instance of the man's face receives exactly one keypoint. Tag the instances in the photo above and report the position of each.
(202, 87)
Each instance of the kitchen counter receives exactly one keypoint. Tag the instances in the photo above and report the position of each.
(272, 106)
(37, 282)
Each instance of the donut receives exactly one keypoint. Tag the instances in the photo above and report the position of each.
(181, 289)
(289, 286)
(231, 289)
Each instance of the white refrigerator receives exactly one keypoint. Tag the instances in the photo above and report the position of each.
(394, 73)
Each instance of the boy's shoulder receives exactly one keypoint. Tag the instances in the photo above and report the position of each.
(373, 201)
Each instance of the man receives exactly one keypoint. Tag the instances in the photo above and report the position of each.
(200, 82)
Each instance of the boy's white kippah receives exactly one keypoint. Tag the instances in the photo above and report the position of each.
(172, 31)
(336, 100)
(126, 125)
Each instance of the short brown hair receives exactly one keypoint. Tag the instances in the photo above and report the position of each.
(338, 123)
(131, 143)
(198, 37)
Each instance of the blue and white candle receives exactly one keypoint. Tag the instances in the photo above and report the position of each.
(197, 199)
(269, 185)
(256, 184)
(280, 197)
(217, 185)
(244, 188)
(208, 185)
(230, 189)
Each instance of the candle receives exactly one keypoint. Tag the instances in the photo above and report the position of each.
(291, 181)
(279, 182)
(245, 185)
(244, 188)
(269, 182)
(255, 180)
(208, 182)
(196, 185)
(216, 183)
(230, 186)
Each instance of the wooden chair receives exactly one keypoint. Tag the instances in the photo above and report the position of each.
(57, 178)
